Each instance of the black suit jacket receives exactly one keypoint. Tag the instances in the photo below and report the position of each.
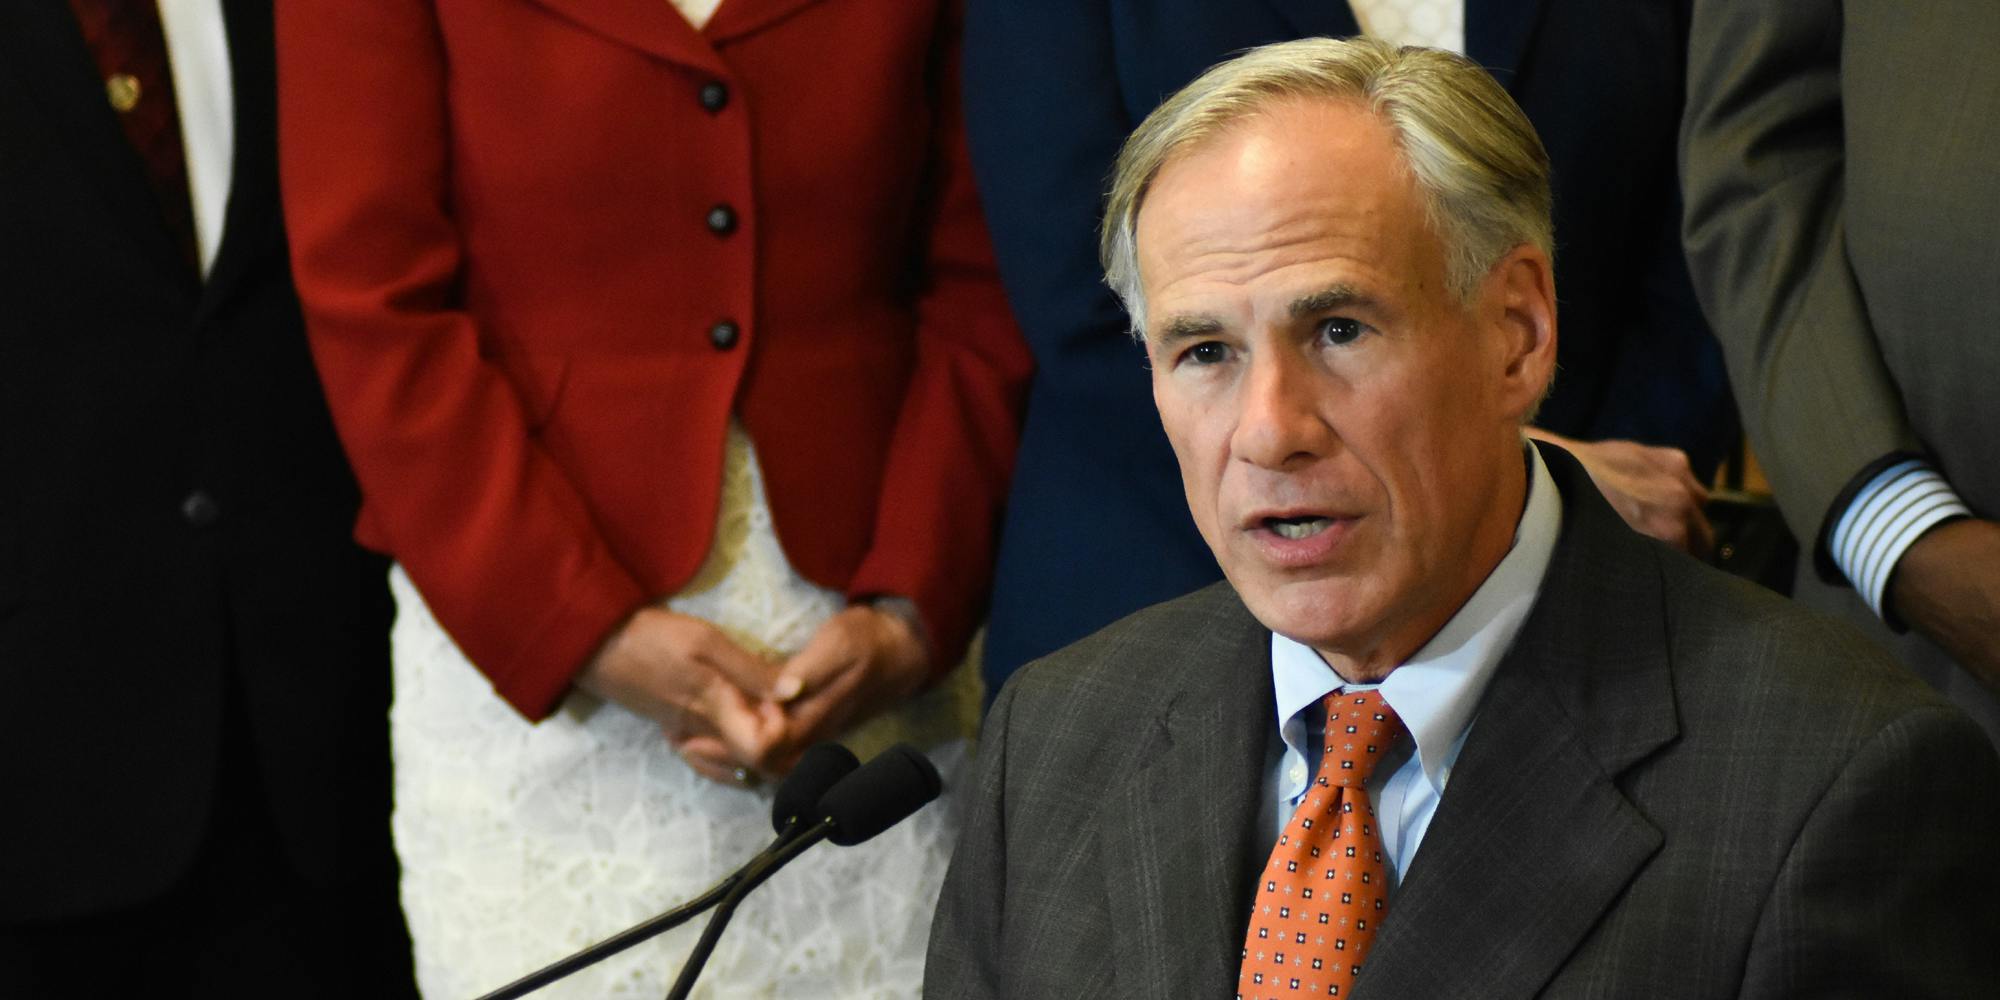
(173, 507)
(1675, 785)
(1096, 524)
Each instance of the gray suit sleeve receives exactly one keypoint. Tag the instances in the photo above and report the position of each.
(965, 959)
(1762, 160)
(1891, 886)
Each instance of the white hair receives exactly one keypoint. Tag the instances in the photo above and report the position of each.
(1479, 167)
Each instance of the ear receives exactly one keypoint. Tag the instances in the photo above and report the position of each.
(1520, 310)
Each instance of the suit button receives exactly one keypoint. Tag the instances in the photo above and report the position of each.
(200, 509)
(714, 96)
(724, 335)
(722, 220)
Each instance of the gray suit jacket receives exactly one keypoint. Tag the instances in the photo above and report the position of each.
(1676, 785)
(1842, 221)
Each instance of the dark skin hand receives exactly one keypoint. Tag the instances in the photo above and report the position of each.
(1947, 586)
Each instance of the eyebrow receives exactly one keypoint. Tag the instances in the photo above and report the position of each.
(1188, 326)
(1328, 299)
(1194, 326)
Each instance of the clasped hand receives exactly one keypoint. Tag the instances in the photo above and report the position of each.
(723, 708)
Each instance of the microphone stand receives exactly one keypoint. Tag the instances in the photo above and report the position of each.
(656, 926)
(875, 797)
(750, 877)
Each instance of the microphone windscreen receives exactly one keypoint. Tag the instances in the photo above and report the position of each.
(898, 782)
(819, 768)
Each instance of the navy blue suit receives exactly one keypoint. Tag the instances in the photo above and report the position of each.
(1097, 525)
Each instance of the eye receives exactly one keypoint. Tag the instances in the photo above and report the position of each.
(1340, 330)
(1208, 352)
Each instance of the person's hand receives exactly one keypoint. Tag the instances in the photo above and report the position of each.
(1947, 586)
(1653, 489)
(860, 662)
(709, 695)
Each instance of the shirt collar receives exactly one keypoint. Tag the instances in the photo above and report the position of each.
(1437, 688)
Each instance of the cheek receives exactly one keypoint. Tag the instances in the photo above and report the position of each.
(1172, 411)
(1438, 473)
(1204, 462)
(1408, 437)
(1185, 429)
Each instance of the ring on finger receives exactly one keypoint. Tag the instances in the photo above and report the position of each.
(744, 777)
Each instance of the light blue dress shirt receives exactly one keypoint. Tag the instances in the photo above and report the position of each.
(1434, 692)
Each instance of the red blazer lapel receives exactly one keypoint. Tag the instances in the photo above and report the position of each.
(648, 25)
(736, 18)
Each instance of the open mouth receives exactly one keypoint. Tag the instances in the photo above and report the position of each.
(1295, 528)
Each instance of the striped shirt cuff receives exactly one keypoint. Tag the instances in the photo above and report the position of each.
(1886, 516)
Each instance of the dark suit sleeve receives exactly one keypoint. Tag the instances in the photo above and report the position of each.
(1045, 119)
(1889, 889)
(966, 961)
(1762, 158)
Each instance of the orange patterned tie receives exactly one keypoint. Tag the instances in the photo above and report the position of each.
(1326, 888)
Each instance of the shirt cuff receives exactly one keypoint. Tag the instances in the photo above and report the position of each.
(1886, 515)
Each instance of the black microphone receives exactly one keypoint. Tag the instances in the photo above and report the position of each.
(886, 790)
(820, 768)
(895, 784)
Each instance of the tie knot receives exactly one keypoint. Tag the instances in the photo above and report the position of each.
(1360, 729)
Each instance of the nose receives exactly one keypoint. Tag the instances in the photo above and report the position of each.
(1279, 421)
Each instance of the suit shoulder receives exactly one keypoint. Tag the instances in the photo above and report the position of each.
(1135, 650)
(1735, 641)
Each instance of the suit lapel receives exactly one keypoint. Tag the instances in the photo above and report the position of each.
(251, 222)
(1311, 18)
(1497, 32)
(1533, 840)
(41, 40)
(736, 18)
(1181, 840)
(647, 25)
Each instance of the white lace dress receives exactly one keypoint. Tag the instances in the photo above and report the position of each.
(521, 843)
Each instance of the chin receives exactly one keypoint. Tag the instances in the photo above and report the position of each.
(1323, 614)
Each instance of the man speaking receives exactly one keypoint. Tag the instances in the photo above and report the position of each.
(1449, 729)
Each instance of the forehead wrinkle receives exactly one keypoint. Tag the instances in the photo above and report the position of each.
(1215, 233)
(1213, 263)
(1299, 226)
(1243, 217)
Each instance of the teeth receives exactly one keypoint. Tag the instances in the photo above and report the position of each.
(1295, 530)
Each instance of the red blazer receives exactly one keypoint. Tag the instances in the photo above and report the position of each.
(547, 247)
